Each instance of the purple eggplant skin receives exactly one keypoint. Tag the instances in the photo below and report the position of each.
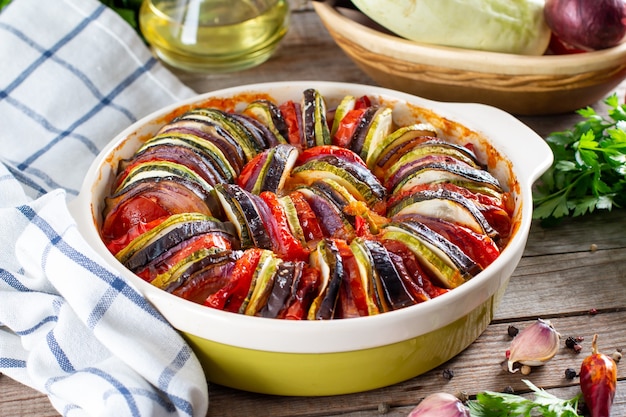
(444, 194)
(332, 221)
(328, 305)
(261, 132)
(393, 289)
(215, 264)
(246, 203)
(466, 265)
(169, 183)
(360, 132)
(452, 165)
(173, 239)
(231, 149)
(282, 288)
(278, 165)
(223, 121)
(335, 197)
(308, 118)
(203, 164)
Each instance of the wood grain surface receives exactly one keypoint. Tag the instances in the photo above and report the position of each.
(573, 274)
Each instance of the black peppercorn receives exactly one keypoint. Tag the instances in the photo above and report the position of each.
(570, 373)
(448, 374)
(512, 331)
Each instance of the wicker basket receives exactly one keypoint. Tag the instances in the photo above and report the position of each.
(523, 85)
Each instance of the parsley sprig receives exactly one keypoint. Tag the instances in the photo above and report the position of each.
(497, 404)
(589, 169)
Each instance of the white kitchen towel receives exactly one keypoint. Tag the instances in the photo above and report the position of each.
(72, 75)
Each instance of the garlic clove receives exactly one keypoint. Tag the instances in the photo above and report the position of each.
(534, 345)
(440, 404)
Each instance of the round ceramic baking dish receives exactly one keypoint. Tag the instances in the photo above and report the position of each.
(331, 357)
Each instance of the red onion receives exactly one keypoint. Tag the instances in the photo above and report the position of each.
(587, 24)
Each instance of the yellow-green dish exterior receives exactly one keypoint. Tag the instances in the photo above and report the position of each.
(298, 374)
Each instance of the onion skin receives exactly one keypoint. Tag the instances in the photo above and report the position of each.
(587, 24)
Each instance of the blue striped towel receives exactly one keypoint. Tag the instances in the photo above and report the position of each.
(72, 75)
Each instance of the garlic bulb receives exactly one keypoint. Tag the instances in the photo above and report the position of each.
(534, 345)
(440, 404)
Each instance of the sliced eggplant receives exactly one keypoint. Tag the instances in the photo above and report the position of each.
(282, 288)
(357, 179)
(316, 132)
(198, 262)
(174, 238)
(155, 170)
(327, 260)
(269, 114)
(388, 281)
(208, 132)
(454, 171)
(241, 209)
(332, 221)
(228, 127)
(374, 132)
(208, 151)
(446, 205)
(436, 146)
(379, 155)
(168, 233)
(278, 168)
(444, 260)
(263, 282)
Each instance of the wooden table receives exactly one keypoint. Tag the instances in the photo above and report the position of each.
(573, 275)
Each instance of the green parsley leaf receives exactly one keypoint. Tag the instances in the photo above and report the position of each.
(497, 404)
(589, 169)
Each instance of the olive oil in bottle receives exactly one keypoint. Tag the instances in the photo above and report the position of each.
(214, 35)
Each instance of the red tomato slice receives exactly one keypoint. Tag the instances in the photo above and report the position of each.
(231, 296)
(362, 102)
(116, 245)
(293, 118)
(308, 220)
(137, 211)
(352, 295)
(250, 171)
(286, 246)
(347, 126)
(326, 150)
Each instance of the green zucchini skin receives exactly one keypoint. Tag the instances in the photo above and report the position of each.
(391, 217)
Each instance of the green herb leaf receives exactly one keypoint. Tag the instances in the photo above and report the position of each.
(589, 169)
(497, 404)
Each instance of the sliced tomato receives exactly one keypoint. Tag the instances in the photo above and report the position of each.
(293, 118)
(116, 245)
(286, 246)
(231, 296)
(362, 102)
(347, 127)
(251, 171)
(352, 295)
(132, 213)
(318, 152)
(308, 220)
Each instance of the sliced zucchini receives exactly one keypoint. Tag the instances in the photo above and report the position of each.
(328, 261)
